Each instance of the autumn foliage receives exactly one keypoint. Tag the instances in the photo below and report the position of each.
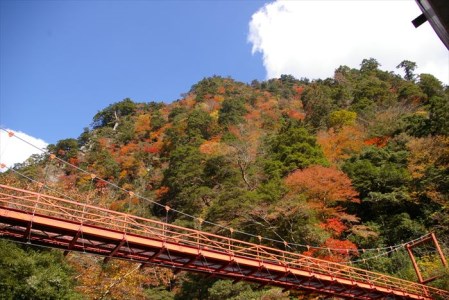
(355, 161)
(319, 183)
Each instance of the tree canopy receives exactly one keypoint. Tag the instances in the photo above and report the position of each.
(356, 161)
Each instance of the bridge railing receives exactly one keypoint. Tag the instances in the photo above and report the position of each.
(40, 204)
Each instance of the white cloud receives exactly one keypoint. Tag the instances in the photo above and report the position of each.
(13, 150)
(313, 38)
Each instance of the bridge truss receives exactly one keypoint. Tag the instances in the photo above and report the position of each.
(60, 223)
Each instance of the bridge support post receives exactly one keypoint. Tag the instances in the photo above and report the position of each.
(429, 238)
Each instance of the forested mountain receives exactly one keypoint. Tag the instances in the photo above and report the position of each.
(357, 161)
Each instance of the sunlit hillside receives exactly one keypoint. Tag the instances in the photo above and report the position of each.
(339, 168)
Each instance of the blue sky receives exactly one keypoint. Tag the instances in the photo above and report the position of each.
(63, 61)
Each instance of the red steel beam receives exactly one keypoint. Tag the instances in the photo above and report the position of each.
(72, 242)
(114, 252)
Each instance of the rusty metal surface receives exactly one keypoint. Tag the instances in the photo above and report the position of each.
(71, 226)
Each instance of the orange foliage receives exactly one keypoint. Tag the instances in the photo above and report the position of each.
(298, 89)
(188, 101)
(322, 184)
(123, 174)
(253, 115)
(267, 105)
(234, 130)
(143, 124)
(115, 280)
(127, 162)
(128, 148)
(74, 161)
(218, 98)
(165, 111)
(428, 151)
(103, 142)
(425, 153)
(346, 247)
(162, 191)
(69, 181)
(158, 134)
(221, 90)
(341, 144)
(210, 147)
(117, 205)
(296, 115)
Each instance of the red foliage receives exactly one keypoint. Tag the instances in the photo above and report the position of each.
(334, 225)
(379, 141)
(337, 250)
(74, 161)
(299, 89)
(100, 184)
(153, 149)
(345, 248)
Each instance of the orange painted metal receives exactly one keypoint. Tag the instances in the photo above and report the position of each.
(426, 239)
(46, 220)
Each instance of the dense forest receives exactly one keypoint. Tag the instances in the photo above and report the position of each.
(359, 161)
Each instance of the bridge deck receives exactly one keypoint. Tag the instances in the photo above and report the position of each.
(60, 223)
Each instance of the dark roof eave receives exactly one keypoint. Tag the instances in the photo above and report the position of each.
(437, 13)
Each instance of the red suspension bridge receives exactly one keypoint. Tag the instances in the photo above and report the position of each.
(65, 224)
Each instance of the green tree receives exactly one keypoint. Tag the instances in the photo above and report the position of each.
(439, 115)
(317, 105)
(206, 87)
(225, 289)
(232, 111)
(410, 91)
(194, 287)
(113, 113)
(430, 85)
(381, 177)
(157, 121)
(369, 65)
(199, 123)
(378, 170)
(409, 67)
(372, 90)
(26, 273)
(293, 148)
(340, 118)
(103, 163)
(185, 181)
(65, 149)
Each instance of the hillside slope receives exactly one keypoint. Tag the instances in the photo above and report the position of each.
(355, 162)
